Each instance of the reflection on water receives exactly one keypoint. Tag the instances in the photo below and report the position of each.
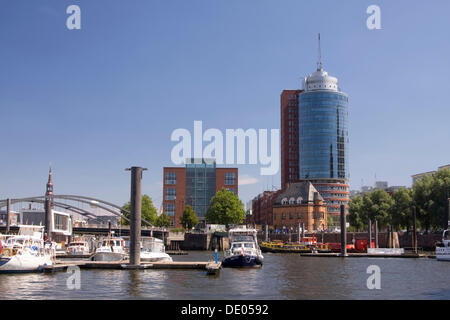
(281, 277)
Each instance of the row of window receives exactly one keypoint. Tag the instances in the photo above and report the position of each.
(171, 178)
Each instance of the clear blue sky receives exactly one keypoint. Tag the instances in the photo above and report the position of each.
(97, 100)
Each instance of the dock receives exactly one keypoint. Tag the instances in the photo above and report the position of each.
(364, 255)
(210, 267)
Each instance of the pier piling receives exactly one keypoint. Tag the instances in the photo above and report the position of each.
(375, 227)
(343, 232)
(135, 215)
(8, 214)
(414, 236)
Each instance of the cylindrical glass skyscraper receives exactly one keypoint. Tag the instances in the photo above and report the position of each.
(323, 138)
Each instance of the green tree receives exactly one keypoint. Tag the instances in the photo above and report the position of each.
(430, 194)
(356, 216)
(225, 208)
(189, 218)
(163, 220)
(401, 209)
(377, 205)
(148, 210)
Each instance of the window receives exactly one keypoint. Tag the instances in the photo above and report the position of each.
(170, 193)
(283, 216)
(299, 200)
(299, 215)
(232, 190)
(170, 209)
(230, 178)
(284, 201)
(291, 215)
(171, 178)
(291, 201)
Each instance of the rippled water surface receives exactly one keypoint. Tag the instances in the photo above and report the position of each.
(281, 277)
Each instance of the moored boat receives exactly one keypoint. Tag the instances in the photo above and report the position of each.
(111, 249)
(244, 250)
(78, 247)
(153, 250)
(25, 252)
(443, 248)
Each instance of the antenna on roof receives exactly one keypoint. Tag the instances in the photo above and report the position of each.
(319, 62)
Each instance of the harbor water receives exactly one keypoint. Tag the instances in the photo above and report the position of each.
(283, 277)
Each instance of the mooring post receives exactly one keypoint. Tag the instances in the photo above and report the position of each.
(266, 229)
(414, 229)
(303, 230)
(135, 215)
(8, 214)
(369, 245)
(216, 256)
(343, 232)
(375, 227)
(299, 235)
(48, 218)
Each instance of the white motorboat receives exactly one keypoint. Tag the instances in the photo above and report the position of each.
(25, 252)
(153, 250)
(443, 248)
(78, 247)
(111, 249)
(244, 250)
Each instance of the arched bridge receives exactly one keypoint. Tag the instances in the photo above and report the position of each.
(84, 206)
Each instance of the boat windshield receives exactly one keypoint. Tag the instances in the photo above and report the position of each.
(77, 244)
(248, 245)
(446, 235)
(241, 238)
(111, 243)
(237, 245)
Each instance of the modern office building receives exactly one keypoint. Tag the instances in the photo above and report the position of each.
(195, 185)
(321, 127)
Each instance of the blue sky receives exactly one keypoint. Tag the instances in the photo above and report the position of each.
(95, 101)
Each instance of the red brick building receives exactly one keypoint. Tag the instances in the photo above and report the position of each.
(195, 185)
(289, 137)
(300, 203)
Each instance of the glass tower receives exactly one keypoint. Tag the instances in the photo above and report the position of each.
(323, 134)
(323, 138)
(200, 184)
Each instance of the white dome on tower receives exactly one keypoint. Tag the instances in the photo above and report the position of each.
(320, 80)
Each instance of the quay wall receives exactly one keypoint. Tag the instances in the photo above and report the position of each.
(424, 241)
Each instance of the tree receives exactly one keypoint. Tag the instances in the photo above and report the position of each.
(163, 221)
(377, 205)
(148, 210)
(225, 208)
(356, 217)
(189, 218)
(430, 194)
(401, 209)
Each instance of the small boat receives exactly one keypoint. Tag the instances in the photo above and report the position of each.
(78, 247)
(244, 250)
(111, 249)
(443, 248)
(154, 251)
(25, 252)
(306, 245)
